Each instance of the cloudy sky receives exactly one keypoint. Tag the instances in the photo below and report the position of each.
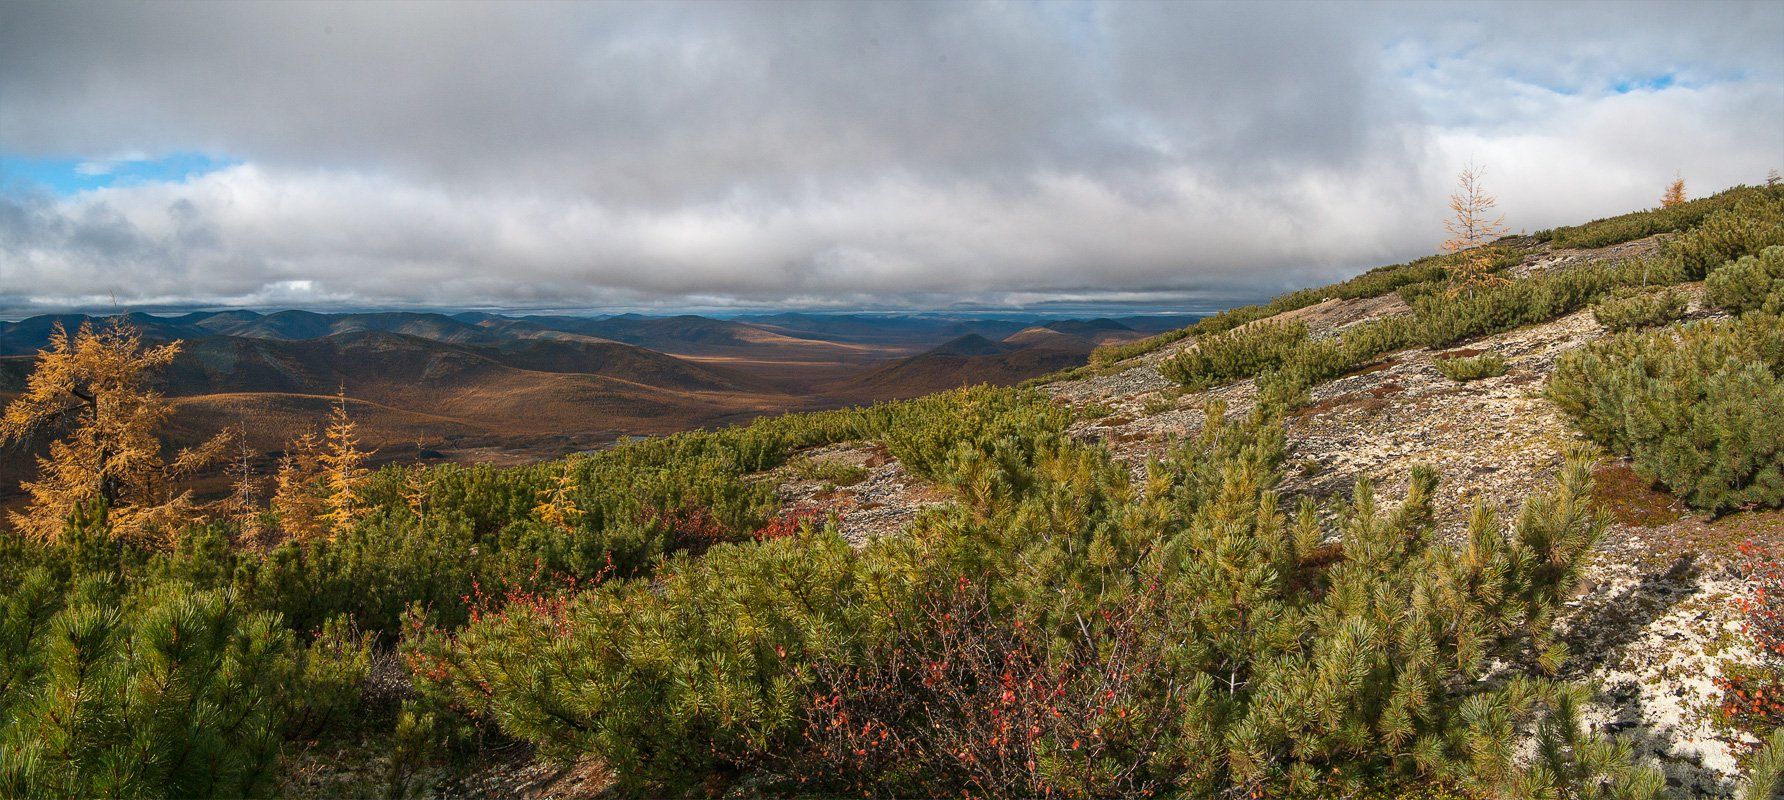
(714, 155)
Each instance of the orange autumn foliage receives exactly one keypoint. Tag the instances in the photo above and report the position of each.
(1472, 227)
(92, 389)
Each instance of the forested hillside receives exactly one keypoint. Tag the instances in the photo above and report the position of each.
(1499, 523)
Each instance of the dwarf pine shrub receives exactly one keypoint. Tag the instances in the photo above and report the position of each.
(1439, 319)
(1640, 224)
(1750, 283)
(1750, 225)
(1470, 368)
(1064, 630)
(830, 472)
(1715, 229)
(166, 693)
(1427, 271)
(1639, 308)
(1413, 292)
(1694, 408)
(1236, 354)
(703, 670)
(1765, 777)
(1736, 223)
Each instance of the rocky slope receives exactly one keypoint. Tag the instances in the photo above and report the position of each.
(1653, 625)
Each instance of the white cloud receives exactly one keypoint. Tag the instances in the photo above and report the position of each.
(619, 155)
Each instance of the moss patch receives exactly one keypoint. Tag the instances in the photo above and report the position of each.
(1630, 500)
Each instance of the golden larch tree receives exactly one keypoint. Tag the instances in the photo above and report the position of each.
(343, 468)
(1472, 227)
(320, 478)
(295, 500)
(1675, 193)
(94, 385)
(416, 485)
(557, 502)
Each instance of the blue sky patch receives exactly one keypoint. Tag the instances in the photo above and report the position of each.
(67, 176)
(1653, 83)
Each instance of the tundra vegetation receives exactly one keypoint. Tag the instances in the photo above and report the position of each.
(1063, 626)
(1639, 307)
(1471, 368)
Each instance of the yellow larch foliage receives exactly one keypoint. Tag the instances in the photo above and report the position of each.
(557, 502)
(1675, 193)
(295, 500)
(415, 489)
(1472, 227)
(343, 469)
(320, 478)
(95, 386)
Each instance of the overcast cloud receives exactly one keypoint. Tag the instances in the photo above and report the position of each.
(835, 155)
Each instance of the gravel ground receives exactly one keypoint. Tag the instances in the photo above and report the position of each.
(883, 503)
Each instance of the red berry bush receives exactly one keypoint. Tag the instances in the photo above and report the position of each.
(1753, 694)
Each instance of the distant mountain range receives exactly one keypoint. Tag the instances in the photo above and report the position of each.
(973, 358)
(695, 334)
(476, 385)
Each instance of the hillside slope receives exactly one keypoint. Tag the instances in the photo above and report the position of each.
(968, 360)
(503, 399)
(1656, 624)
(1661, 597)
(973, 359)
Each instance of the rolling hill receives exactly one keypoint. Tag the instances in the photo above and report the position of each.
(973, 359)
(487, 384)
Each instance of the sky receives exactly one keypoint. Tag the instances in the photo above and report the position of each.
(736, 155)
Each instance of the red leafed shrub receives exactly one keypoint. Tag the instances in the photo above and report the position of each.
(1753, 698)
(550, 598)
(787, 524)
(692, 529)
(968, 700)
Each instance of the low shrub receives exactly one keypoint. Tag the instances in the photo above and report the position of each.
(1750, 283)
(1438, 320)
(1236, 354)
(1695, 408)
(1753, 693)
(1431, 271)
(1413, 292)
(1063, 630)
(1742, 222)
(1751, 224)
(704, 670)
(1639, 308)
(332, 672)
(928, 434)
(1470, 368)
(167, 692)
(1765, 776)
(1641, 224)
